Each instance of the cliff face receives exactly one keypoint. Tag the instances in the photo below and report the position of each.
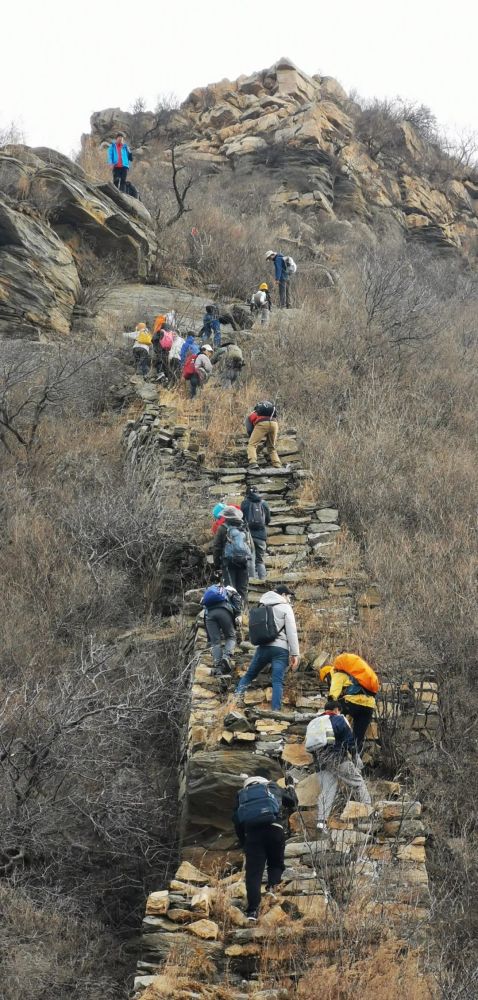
(52, 218)
(326, 164)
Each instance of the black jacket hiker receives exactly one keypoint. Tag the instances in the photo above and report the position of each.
(265, 845)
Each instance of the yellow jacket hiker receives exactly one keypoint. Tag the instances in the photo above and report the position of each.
(338, 690)
(354, 700)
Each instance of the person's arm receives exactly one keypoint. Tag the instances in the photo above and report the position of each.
(239, 827)
(291, 632)
(343, 731)
(338, 681)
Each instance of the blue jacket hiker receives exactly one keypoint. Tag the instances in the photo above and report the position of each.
(222, 613)
(211, 327)
(190, 346)
(119, 158)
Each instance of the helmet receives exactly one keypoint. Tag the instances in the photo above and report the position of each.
(256, 780)
(325, 671)
(269, 254)
(217, 510)
(264, 287)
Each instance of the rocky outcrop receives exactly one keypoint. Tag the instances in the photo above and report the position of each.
(373, 863)
(51, 216)
(302, 135)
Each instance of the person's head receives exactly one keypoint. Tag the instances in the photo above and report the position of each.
(331, 705)
(140, 327)
(270, 255)
(256, 779)
(229, 513)
(209, 310)
(264, 287)
(325, 672)
(285, 592)
(217, 510)
(119, 138)
(207, 349)
(252, 489)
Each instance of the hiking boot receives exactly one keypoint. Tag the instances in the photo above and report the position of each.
(253, 466)
(225, 665)
(252, 915)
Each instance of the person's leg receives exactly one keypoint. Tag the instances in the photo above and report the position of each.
(351, 777)
(260, 659)
(260, 548)
(272, 433)
(242, 583)
(280, 662)
(287, 295)
(328, 789)
(225, 621)
(361, 717)
(145, 363)
(116, 177)
(255, 853)
(258, 435)
(123, 176)
(193, 385)
(282, 294)
(214, 635)
(275, 845)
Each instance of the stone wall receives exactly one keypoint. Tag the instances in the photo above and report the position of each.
(196, 941)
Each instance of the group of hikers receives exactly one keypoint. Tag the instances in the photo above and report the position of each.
(263, 807)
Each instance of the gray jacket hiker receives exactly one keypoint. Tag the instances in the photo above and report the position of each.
(277, 651)
(257, 515)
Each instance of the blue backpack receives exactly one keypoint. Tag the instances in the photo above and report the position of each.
(258, 806)
(236, 549)
(214, 595)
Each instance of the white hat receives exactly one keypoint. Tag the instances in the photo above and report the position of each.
(257, 780)
(270, 253)
(207, 347)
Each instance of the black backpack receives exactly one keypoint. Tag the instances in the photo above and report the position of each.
(262, 625)
(255, 516)
(266, 409)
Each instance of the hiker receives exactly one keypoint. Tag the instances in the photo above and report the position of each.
(190, 346)
(211, 327)
(232, 360)
(218, 515)
(119, 157)
(273, 630)
(232, 551)
(262, 426)
(257, 516)
(202, 370)
(261, 819)
(142, 349)
(174, 357)
(222, 615)
(162, 343)
(261, 303)
(330, 740)
(284, 267)
(355, 699)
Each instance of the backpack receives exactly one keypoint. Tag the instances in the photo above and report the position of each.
(234, 355)
(266, 409)
(255, 516)
(214, 595)
(143, 338)
(166, 341)
(360, 670)
(258, 806)
(319, 734)
(262, 625)
(259, 299)
(234, 599)
(189, 367)
(290, 264)
(236, 549)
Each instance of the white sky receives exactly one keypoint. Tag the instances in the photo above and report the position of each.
(61, 60)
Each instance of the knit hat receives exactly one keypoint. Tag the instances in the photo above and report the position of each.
(218, 509)
(232, 512)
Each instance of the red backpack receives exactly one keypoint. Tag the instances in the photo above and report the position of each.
(189, 366)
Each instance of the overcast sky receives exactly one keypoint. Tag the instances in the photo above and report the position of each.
(60, 60)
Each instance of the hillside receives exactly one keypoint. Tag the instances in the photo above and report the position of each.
(111, 723)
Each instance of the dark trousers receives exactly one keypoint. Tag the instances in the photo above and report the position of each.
(220, 625)
(141, 358)
(238, 577)
(161, 360)
(119, 177)
(361, 717)
(194, 383)
(264, 844)
(284, 293)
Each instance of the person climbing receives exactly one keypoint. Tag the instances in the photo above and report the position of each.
(174, 357)
(284, 267)
(190, 346)
(211, 327)
(202, 370)
(262, 426)
(257, 516)
(142, 349)
(261, 819)
(233, 362)
(330, 740)
(217, 515)
(162, 343)
(222, 615)
(354, 694)
(261, 303)
(119, 158)
(232, 551)
(273, 629)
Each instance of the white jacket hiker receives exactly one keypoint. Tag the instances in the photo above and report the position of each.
(285, 621)
(275, 636)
